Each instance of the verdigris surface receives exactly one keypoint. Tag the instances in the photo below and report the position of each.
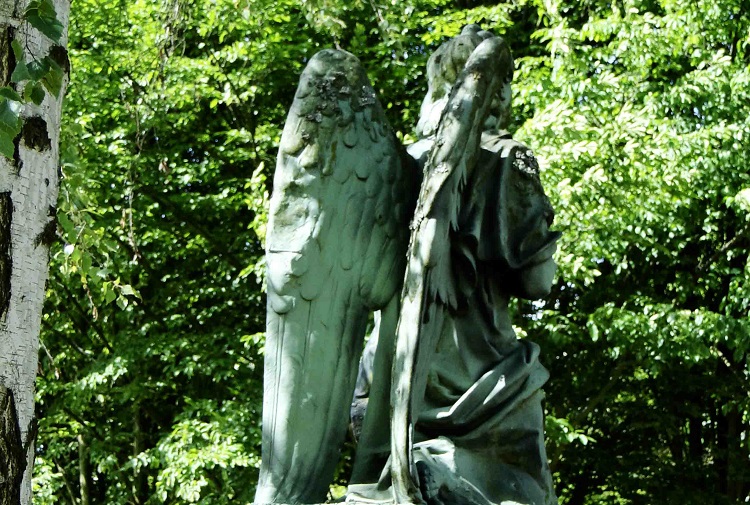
(437, 238)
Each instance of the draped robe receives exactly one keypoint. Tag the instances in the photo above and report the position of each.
(479, 433)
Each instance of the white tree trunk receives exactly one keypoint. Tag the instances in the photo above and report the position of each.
(28, 197)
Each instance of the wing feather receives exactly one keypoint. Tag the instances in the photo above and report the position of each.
(336, 249)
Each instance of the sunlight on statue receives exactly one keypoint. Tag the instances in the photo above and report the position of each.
(437, 238)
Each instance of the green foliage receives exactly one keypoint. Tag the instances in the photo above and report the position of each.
(41, 15)
(153, 335)
(10, 122)
(640, 120)
(142, 355)
(207, 442)
(32, 76)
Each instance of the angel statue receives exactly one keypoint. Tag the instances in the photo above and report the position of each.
(436, 237)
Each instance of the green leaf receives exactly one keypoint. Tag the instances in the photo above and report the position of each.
(128, 290)
(38, 69)
(10, 127)
(67, 225)
(86, 263)
(17, 50)
(21, 72)
(109, 293)
(53, 78)
(742, 199)
(41, 15)
(35, 92)
(122, 302)
(7, 147)
(10, 94)
(27, 91)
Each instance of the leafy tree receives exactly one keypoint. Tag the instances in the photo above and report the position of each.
(150, 389)
(639, 116)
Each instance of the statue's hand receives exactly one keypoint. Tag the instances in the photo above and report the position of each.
(536, 278)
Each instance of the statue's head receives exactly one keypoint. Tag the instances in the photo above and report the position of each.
(443, 69)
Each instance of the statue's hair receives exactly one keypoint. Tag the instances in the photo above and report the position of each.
(445, 64)
(443, 69)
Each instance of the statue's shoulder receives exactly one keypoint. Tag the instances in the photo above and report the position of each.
(500, 142)
(512, 153)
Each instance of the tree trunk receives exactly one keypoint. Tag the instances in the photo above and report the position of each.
(28, 194)
(140, 482)
(84, 470)
(12, 459)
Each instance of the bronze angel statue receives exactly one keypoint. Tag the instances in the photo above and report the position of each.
(436, 237)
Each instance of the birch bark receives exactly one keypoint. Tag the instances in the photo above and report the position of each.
(28, 195)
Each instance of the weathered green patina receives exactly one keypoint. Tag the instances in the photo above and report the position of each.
(453, 410)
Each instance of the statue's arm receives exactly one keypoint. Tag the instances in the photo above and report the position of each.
(532, 243)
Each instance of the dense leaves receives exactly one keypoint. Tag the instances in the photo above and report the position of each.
(639, 117)
(151, 366)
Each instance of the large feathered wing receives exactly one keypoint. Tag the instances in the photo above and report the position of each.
(428, 281)
(336, 249)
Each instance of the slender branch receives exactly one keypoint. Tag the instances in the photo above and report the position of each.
(232, 108)
(70, 342)
(189, 221)
(66, 482)
(743, 233)
(88, 426)
(603, 392)
(742, 382)
(73, 299)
